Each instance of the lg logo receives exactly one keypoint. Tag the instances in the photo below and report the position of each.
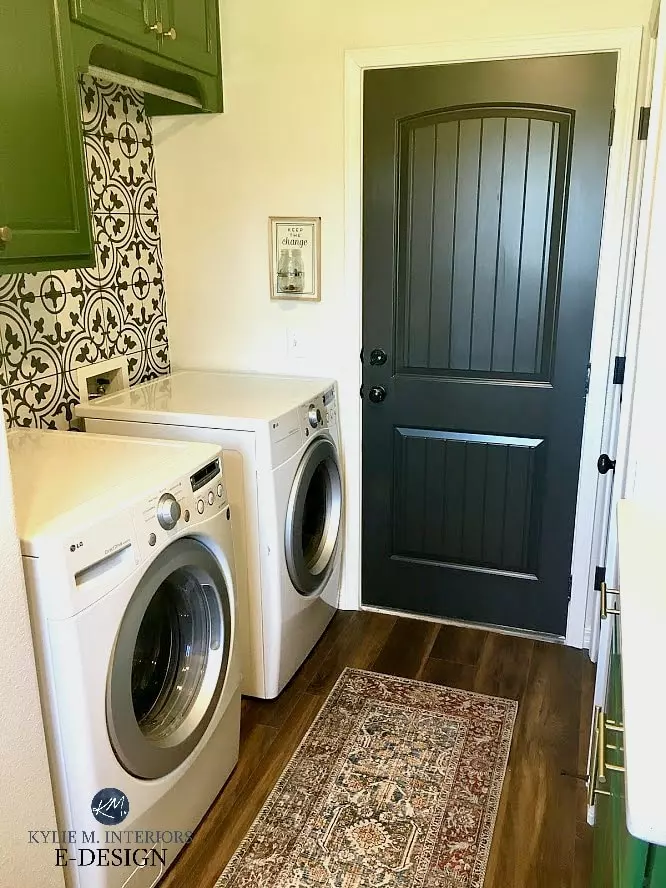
(75, 546)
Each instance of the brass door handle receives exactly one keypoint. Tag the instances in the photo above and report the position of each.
(158, 28)
(605, 610)
(6, 234)
(171, 34)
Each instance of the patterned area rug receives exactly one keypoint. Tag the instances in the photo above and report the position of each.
(395, 785)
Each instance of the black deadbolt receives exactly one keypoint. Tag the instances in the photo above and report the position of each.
(377, 357)
(605, 464)
(377, 394)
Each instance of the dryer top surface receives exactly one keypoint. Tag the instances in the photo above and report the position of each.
(208, 399)
(55, 474)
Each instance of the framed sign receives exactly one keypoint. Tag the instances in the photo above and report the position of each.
(295, 263)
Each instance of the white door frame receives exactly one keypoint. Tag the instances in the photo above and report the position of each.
(611, 289)
(617, 423)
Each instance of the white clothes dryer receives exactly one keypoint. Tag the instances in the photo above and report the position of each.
(133, 605)
(281, 444)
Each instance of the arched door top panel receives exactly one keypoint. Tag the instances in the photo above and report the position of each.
(481, 196)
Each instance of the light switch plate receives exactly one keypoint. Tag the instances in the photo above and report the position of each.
(296, 344)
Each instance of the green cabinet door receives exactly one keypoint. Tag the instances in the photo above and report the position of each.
(43, 190)
(603, 865)
(657, 868)
(191, 33)
(631, 854)
(135, 21)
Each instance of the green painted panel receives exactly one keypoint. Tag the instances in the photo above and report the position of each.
(630, 853)
(43, 190)
(602, 866)
(194, 29)
(129, 20)
(658, 868)
(614, 702)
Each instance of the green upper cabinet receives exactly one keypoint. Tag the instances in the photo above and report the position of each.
(184, 31)
(135, 21)
(190, 33)
(43, 193)
(171, 47)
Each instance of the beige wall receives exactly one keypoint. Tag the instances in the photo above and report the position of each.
(279, 150)
(26, 801)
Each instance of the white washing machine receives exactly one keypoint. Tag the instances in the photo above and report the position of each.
(133, 605)
(282, 463)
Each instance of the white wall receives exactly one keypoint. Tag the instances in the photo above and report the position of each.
(279, 150)
(26, 801)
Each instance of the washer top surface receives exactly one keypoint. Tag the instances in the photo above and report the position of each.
(208, 399)
(56, 474)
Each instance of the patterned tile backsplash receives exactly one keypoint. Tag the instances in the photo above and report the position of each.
(54, 322)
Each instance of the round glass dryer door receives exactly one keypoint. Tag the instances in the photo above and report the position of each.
(314, 517)
(170, 660)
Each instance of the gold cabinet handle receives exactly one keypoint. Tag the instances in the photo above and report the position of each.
(605, 610)
(158, 28)
(6, 234)
(602, 764)
(171, 34)
(597, 764)
(592, 759)
(593, 763)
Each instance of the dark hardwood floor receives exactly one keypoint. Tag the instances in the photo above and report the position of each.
(541, 839)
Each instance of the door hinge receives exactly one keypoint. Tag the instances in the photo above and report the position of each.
(360, 392)
(570, 586)
(643, 123)
(599, 577)
(588, 374)
(618, 370)
(611, 127)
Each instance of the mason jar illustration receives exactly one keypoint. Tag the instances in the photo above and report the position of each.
(291, 272)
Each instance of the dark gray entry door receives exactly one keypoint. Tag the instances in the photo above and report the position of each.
(484, 190)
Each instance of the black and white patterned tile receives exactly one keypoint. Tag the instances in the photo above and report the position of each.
(54, 322)
(6, 401)
(119, 151)
(45, 403)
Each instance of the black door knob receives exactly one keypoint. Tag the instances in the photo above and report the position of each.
(377, 394)
(605, 464)
(378, 357)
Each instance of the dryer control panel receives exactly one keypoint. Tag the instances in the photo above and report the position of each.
(292, 431)
(320, 413)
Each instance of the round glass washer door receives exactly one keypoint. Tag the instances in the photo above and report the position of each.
(314, 517)
(170, 660)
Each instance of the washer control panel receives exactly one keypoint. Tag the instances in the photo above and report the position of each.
(168, 511)
(102, 555)
(188, 502)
